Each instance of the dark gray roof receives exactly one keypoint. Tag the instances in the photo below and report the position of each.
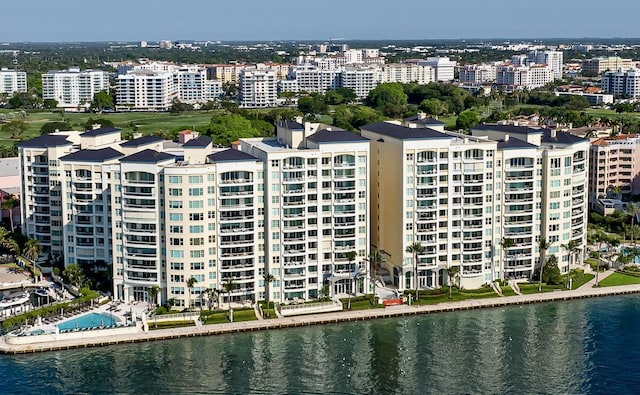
(424, 121)
(231, 155)
(291, 125)
(514, 143)
(335, 136)
(93, 155)
(561, 138)
(509, 129)
(147, 156)
(100, 131)
(144, 140)
(200, 142)
(403, 132)
(46, 140)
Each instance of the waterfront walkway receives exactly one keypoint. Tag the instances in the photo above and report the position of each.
(586, 291)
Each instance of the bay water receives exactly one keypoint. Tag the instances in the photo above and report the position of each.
(578, 347)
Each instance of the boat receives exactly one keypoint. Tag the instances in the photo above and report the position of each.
(14, 301)
(41, 291)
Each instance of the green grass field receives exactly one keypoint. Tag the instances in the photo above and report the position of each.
(146, 122)
(619, 279)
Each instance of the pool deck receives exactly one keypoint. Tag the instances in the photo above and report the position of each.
(586, 291)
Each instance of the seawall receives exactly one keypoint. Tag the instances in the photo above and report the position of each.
(317, 319)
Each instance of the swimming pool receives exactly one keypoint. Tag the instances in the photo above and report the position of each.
(91, 320)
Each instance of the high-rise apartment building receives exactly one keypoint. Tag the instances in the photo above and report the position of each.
(600, 65)
(459, 196)
(72, 88)
(257, 88)
(12, 81)
(159, 213)
(145, 90)
(622, 82)
(553, 59)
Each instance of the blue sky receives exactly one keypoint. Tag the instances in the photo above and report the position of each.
(74, 20)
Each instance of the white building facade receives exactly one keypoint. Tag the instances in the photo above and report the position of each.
(12, 81)
(72, 88)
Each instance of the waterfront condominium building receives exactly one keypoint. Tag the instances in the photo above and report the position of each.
(614, 162)
(460, 196)
(160, 213)
(145, 90)
(72, 88)
(12, 81)
(257, 88)
(316, 193)
(622, 82)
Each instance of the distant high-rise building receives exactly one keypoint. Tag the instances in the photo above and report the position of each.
(553, 59)
(72, 88)
(622, 82)
(257, 88)
(12, 81)
(443, 68)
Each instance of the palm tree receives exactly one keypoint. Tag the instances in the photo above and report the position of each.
(616, 190)
(351, 256)
(268, 278)
(32, 249)
(573, 247)
(452, 272)
(153, 293)
(7, 242)
(543, 246)
(229, 286)
(191, 281)
(416, 249)
(505, 243)
(634, 233)
(376, 259)
(9, 204)
(633, 210)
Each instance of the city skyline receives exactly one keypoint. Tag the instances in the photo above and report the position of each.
(288, 20)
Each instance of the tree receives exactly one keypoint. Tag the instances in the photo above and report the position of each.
(433, 107)
(74, 274)
(191, 281)
(351, 256)
(229, 286)
(101, 100)
(505, 243)
(467, 119)
(51, 127)
(454, 275)
(15, 128)
(268, 278)
(543, 246)
(573, 247)
(226, 128)
(178, 107)
(103, 122)
(552, 274)
(32, 249)
(153, 293)
(416, 249)
(9, 204)
(616, 190)
(388, 98)
(633, 210)
(7, 242)
(49, 104)
(349, 95)
(313, 104)
(376, 259)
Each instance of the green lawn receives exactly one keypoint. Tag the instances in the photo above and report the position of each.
(146, 122)
(619, 279)
(581, 279)
(221, 317)
(360, 304)
(533, 288)
(508, 291)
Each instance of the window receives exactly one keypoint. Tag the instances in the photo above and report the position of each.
(196, 229)
(196, 216)
(175, 204)
(196, 204)
(195, 179)
(175, 192)
(195, 191)
(175, 180)
(175, 216)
